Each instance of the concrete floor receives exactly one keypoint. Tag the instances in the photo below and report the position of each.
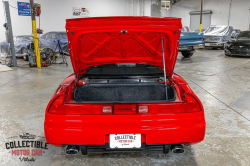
(222, 83)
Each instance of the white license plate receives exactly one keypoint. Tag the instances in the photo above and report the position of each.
(125, 140)
(207, 44)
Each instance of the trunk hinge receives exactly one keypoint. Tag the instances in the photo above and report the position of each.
(77, 77)
(172, 79)
(164, 68)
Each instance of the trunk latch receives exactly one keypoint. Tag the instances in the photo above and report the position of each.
(124, 31)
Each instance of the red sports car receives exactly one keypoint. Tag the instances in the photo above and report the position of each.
(123, 94)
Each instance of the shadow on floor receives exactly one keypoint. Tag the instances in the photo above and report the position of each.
(121, 158)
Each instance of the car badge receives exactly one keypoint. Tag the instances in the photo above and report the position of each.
(241, 46)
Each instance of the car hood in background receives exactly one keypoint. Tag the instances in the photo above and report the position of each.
(64, 40)
(108, 40)
(240, 42)
(218, 32)
(22, 44)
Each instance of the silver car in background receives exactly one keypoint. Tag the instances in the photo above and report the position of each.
(216, 36)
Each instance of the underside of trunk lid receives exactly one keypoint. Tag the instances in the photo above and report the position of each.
(108, 40)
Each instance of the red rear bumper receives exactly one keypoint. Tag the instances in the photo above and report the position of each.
(95, 129)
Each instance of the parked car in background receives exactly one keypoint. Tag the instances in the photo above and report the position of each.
(240, 46)
(235, 33)
(185, 29)
(188, 40)
(20, 44)
(216, 36)
(51, 40)
(120, 96)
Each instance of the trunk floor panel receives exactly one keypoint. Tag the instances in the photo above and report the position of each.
(122, 92)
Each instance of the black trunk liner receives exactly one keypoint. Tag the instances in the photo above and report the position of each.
(122, 92)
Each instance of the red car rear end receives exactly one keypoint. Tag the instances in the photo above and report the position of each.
(123, 94)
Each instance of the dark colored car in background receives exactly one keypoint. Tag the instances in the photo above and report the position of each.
(51, 39)
(216, 36)
(20, 44)
(240, 46)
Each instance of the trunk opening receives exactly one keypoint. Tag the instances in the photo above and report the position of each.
(129, 92)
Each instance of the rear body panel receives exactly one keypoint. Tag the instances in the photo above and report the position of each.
(95, 129)
(111, 40)
(156, 128)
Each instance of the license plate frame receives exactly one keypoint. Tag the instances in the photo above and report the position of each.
(123, 141)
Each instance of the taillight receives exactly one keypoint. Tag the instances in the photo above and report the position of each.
(80, 82)
(57, 106)
(88, 109)
(142, 109)
(192, 105)
(107, 109)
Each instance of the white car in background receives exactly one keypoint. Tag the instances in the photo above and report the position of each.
(216, 36)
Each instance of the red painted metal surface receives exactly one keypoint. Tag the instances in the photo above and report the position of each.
(92, 129)
(96, 41)
(85, 124)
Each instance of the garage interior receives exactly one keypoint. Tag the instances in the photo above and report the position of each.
(221, 82)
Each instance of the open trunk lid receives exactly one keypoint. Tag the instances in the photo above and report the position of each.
(108, 40)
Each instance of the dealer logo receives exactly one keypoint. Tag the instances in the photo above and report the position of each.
(26, 147)
(27, 136)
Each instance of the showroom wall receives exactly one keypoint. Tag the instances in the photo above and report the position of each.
(220, 8)
(55, 12)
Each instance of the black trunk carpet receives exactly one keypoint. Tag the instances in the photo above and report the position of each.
(121, 92)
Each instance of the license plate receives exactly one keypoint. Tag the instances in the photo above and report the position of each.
(125, 140)
(207, 44)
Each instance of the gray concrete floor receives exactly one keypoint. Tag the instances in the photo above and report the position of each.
(222, 83)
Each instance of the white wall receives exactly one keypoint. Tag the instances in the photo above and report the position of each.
(239, 17)
(156, 12)
(54, 12)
